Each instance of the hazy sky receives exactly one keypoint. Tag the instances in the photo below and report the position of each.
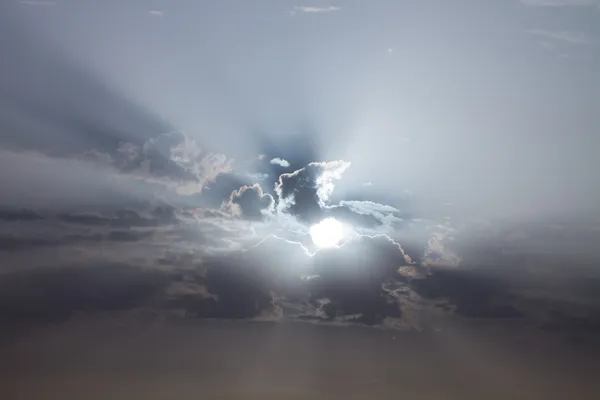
(493, 106)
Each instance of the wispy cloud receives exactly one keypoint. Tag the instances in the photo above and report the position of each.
(156, 13)
(560, 3)
(42, 3)
(315, 10)
(563, 36)
(280, 162)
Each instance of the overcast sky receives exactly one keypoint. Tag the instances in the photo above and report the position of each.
(181, 151)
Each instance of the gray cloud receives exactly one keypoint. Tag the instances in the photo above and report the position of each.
(249, 202)
(46, 182)
(381, 214)
(171, 159)
(166, 166)
(188, 266)
(305, 192)
(19, 215)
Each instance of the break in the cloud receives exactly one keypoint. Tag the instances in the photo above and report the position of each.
(315, 9)
(563, 36)
(156, 13)
(559, 3)
(281, 162)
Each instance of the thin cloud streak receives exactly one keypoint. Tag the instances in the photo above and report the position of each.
(316, 10)
(563, 36)
(41, 3)
(560, 3)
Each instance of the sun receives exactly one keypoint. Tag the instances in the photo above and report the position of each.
(327, 233)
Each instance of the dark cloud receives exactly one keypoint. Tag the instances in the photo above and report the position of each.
(26, 229)
(474, 293)
(351, 279)
(19, 215)
(124, 218)
(305, 192)
(54, 294)
(368, 280)
(242, 292)
(171, 159)
(12, 242)
(250, 202)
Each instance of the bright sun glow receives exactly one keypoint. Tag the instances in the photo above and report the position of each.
(327, 233)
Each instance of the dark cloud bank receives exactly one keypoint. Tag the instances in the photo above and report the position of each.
(222, 263)
(162, 225)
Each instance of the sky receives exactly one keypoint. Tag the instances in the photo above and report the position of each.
(173, 156)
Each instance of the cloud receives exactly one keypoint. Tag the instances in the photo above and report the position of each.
(19, 215)
(156, 13)
(169, 166)
(281, 162)
(563, 36)
(23, 229)
(250, 202)
(13, 242)
(160, 215)
(381, 213)
(352, 279)
(316, 10)
(171, 159)
(305, 192)
(219, 189)
(559, 3)
(55, 294)
(436, 252)
(185, 265)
